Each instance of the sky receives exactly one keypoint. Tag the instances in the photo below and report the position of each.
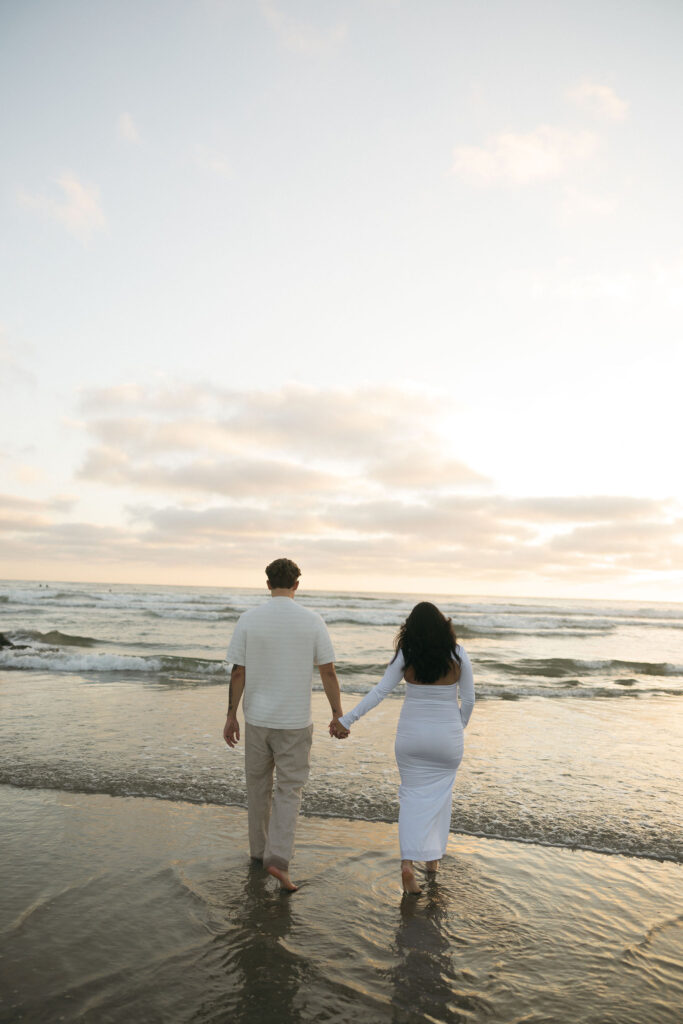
(394, 289)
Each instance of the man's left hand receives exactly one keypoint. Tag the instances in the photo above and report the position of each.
(337, 730)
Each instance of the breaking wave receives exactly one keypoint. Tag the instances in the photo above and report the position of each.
(50, 659)
(557, 668)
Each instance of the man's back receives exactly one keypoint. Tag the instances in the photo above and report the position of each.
(273, 652)
(279, 643)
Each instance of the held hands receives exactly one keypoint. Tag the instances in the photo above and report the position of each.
(337, 729)
(231, 730)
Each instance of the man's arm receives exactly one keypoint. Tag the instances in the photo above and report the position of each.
(231, 729)
(330, 683)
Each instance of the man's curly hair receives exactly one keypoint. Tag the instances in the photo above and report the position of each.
(283, 573)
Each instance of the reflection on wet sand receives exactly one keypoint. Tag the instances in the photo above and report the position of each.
(427, 962)
(176, 925)
(249, 951)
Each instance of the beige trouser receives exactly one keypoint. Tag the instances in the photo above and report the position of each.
(272, 817)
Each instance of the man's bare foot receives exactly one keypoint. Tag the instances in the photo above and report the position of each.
(432, 865)
(283, 878)
(408, 878)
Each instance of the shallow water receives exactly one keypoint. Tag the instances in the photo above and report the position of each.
(591, 774)
(136, 909)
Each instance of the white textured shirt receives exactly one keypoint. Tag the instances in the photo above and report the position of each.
(279, 643)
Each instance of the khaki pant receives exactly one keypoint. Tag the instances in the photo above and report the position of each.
(273, 816)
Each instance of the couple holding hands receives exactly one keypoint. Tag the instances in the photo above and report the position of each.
(274, 649)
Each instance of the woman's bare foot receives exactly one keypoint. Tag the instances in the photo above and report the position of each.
(283, 878)
(408, 878)
(432, 866)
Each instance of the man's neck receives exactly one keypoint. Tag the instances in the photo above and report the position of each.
(281, 592)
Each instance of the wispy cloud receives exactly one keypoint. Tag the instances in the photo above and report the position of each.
(290, 438)
(21, 514)
(78, 208)
(579, 203)
(600, 100)
(302, 36)
(127, 129)
(212, 161)
(659, 285)
(209, 476)
(452, 538)
(258, 477)
(12, 368)
(547, 153)
(204, 476)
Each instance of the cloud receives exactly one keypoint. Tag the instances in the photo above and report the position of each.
(577, 202)
(659, 285)
(450, 537)
(415, 468)
(12, 369)
(256, 443)
(301, 36)
(581, 509)
(523, 158)
(78, 209)
(175, 398)
(127, 129)
(228, 522)
(340, 471)
(21, 514)
(330, 423)
(213, 162)
(25, 473)
(257, 476)
(600, 100)
(637, 546)
(344, 479)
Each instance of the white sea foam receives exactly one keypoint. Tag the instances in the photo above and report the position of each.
(199, 616)
(51, 659)
(519, 645)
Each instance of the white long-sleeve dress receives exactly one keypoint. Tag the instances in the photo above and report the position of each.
(429, 748)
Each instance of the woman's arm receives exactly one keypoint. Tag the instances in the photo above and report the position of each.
(466, 685)
(389, 681)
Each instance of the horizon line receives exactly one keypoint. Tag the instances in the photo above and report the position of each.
(339, 590)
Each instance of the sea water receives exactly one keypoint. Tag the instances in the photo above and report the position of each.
(127, 893)
(575, 740)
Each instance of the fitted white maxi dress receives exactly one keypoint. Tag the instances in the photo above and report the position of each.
(429, 748)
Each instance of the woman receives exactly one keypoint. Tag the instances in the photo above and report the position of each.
(429, 737)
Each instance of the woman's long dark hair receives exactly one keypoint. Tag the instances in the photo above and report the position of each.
(427, 640)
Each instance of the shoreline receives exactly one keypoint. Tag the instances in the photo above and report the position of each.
(546, 772)
(322, 816)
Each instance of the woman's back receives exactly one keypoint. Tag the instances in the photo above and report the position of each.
(449, 679)
(431, 710)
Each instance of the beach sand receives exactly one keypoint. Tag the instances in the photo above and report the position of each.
(121, 909)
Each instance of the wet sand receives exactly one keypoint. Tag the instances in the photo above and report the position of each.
(120, 909)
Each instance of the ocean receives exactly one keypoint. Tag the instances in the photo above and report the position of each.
(118, 693)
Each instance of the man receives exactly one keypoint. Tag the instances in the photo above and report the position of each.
(273, 651)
